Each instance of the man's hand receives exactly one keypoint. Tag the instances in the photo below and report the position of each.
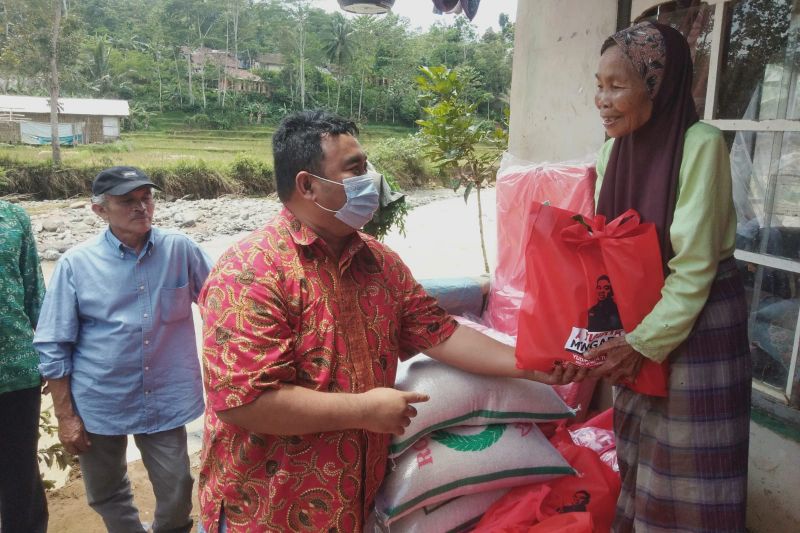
(73, 435)
(622, 362)
(386, 410)
(562, 374)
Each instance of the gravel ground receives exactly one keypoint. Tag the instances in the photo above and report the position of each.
(60, 224)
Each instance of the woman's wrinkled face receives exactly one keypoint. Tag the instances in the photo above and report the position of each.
(622, 96)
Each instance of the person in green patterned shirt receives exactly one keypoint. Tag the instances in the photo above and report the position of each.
(23, 507)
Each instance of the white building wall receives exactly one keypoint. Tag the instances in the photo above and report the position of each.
(556, 50)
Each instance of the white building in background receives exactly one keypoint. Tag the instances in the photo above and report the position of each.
(26, 119)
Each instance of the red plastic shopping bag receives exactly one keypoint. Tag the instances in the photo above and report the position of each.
(586, 502)
(588, 282)
(566, 523)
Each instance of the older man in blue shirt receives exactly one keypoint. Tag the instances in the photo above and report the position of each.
(117, 347)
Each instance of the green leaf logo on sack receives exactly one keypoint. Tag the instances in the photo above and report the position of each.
(470, 443)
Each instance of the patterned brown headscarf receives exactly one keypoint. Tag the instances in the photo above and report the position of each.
(642, 171)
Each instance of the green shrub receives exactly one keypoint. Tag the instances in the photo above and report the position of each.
(43, 181)
(138, 118)
(195, 179)
(187, 178)
(402, 161)
(254, 176)
(199, 121)
(391, 216)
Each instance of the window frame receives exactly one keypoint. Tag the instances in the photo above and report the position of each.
(721, 15)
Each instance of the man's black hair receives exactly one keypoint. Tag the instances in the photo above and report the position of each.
(297, 145)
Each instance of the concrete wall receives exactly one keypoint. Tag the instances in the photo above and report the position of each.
(9, 132)
(92, 127)
(639, 6)
(556, 50)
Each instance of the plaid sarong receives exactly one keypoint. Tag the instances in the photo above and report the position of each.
(683, 459)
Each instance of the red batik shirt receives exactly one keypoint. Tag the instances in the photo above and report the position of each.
(277, 308)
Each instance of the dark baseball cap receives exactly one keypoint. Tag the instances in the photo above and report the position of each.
(117, 181)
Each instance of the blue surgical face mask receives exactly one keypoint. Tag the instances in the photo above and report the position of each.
(362, 199)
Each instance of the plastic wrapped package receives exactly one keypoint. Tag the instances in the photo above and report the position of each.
(567, 185)
(599, 440)
(597, 434)
(458, 296)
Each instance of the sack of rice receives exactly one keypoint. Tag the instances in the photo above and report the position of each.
(466, 460)
(458, 398)
(457, 514)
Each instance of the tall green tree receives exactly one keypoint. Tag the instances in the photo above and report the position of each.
(140, 50)
(452, 133)
(54, 85)
(338, 48)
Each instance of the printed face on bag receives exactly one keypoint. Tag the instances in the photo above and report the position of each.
(603, 288)
(604, 315)
(621, 97)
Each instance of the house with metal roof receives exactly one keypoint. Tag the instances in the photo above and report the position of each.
(26, 119)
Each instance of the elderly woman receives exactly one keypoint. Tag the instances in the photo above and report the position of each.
(683, 458)
(22, 501)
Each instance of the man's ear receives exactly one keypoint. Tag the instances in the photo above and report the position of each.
(303, 182)
(100, 211)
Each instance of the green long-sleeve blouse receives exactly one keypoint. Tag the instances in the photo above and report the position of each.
(702, 233)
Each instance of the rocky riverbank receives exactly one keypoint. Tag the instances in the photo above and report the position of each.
(59, 224)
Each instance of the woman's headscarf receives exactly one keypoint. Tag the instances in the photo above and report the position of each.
(642, 171)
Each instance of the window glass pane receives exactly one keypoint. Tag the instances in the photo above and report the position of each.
(694, 20)
(765, 167)
(772, 296)
(758, 78)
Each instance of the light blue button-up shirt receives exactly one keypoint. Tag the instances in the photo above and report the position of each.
(120, 324)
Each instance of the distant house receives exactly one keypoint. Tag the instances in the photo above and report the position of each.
(233, 77)
(272, 62)
(243, 81)
(26, 119)
(200, 57)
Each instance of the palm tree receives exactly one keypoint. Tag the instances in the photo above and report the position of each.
(338, 47)
(98, 69)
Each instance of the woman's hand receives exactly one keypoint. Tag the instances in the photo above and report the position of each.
(622, 362)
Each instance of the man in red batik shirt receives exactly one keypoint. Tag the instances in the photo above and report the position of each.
(304, 323)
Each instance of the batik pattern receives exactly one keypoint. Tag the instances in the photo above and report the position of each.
(278, 308)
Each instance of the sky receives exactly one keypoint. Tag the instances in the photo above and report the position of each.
(420, 12)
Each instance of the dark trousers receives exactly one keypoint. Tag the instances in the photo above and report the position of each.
(23, 506)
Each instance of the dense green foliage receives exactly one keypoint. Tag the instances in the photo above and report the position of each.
(362, 67)
(454, 137)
